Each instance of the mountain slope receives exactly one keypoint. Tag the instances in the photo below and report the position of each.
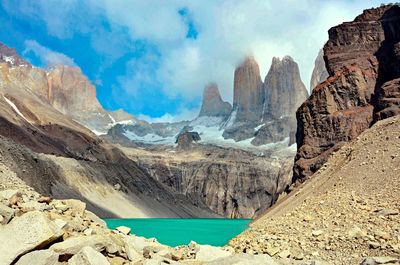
(348, 210)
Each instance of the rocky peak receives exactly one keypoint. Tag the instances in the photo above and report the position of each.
(283, 88)
(363, 61)
(10, 56)
(247, 99)
(319, 73)
(121, 115)
(212, 104)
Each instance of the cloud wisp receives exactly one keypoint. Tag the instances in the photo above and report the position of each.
(47, 56)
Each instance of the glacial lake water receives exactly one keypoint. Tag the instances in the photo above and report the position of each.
(175, 232)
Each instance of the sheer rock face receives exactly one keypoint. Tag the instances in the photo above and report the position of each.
(71, 93)
(284, 90)
(247, 91)
(319, 73)
(213, 105)
(363, 60)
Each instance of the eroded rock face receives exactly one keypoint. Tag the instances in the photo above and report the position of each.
(70, 92)
(284, 90)
(11, 57)
(247, 91)
(362, 58)
(319, 73)
(213, 105)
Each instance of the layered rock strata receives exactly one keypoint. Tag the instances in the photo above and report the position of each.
(362, 87)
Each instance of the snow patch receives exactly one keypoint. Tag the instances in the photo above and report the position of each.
(258, 127)
(15, 108)
(113, 121)
(231, 119)
(150, 138)
(9, 59)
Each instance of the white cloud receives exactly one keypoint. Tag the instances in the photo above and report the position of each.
(47, 56)
(228, 30)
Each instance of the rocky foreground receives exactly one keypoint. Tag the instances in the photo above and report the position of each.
(348, 211)
(38, 230)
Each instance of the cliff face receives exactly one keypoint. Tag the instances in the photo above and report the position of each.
(247, 91)
(71, 92)
(284, 90)
(363, 61)
(231, 182)
(212, 105)
(319, 73)
(272, 104)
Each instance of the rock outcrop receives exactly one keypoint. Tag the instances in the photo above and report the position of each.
(284, 90)
(247, 91)
(363, 60)
(186, 139)
(319, 73)
(70, 92)
(213, 105)
(273, 103)
(10, 56)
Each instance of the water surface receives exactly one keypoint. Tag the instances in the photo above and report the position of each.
(174, 232)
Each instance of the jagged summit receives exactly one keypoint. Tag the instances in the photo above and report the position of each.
(212, 104)
(11, 57)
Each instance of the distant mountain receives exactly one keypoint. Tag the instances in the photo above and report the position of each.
(319, 73)
(212, 104)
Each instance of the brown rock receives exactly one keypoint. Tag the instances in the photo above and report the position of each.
(212, 105)
(247, 93)
(363, 62)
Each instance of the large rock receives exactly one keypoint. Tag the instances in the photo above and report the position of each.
(247, 91)
(73, 245)
(244, 259)
(6, 213)
(319, 73)
(212, 105)
(88, 256)
(32, 230)
(363, 61)
(284, 90)
(209, 253)
(40, 257)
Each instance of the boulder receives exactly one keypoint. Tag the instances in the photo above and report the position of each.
(7, 213)
(88, 256)
(244, 259)
(77, 207)
(123, 229)
(32, 230)
(73, 245)
(39, 257)
(208, 253)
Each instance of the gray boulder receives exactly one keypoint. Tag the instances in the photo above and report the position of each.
(88, 256)
(40, 257)
(32, 230)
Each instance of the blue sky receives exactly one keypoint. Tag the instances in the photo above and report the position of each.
(152, 58)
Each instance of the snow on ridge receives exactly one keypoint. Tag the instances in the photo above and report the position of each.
(113, 121)
(15, 109)
(149, 138)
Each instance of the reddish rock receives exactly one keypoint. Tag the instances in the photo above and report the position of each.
(212, 104)
(362, 58)
(247, 91)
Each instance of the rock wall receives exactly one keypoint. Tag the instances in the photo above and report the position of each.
(319, 73)
(363, 61)
(212, 104)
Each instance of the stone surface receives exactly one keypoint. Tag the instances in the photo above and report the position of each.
(319, 73)
(88, 256)
(212, 104)
(123, 229)
(209, 253)
(244, 259)
(247, 91)
(362, 87)
(73, 245)
(39, 257)
(6, 213)
(32, 230)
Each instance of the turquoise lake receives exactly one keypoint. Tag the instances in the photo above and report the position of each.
(175, 232)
